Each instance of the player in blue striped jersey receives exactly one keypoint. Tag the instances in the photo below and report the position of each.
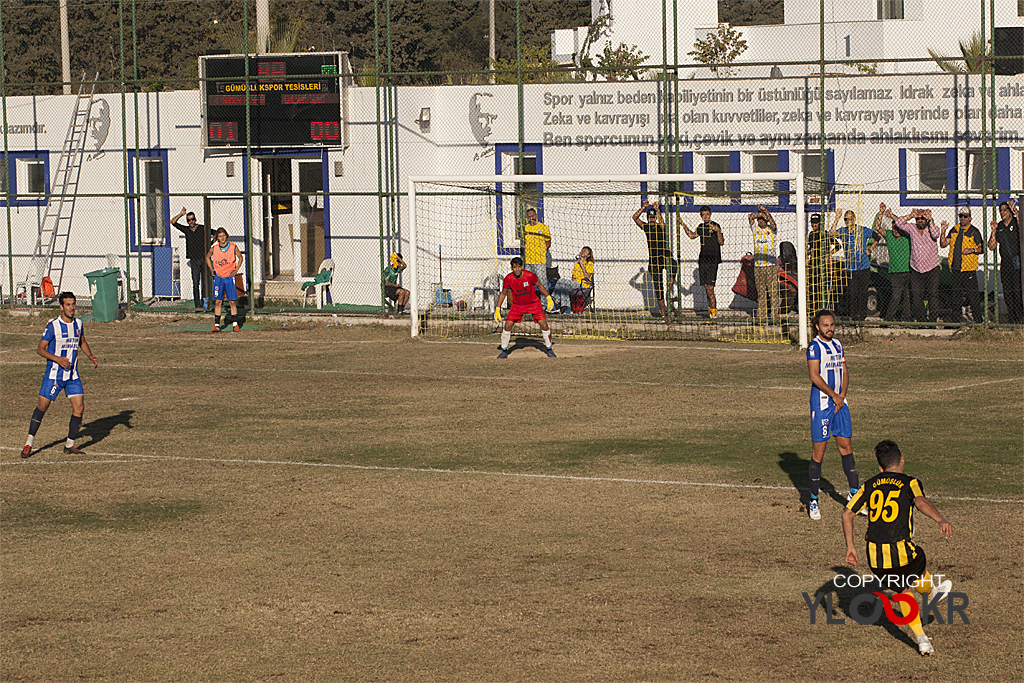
(830, 414)
(63, 339)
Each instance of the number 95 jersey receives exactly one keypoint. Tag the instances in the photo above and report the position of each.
(889, 497)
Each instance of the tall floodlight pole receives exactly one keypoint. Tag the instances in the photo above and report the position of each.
(490, 38)
(65, 50)
(821, 110)
(262, 26)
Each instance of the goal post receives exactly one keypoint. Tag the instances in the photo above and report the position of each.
(464, 230)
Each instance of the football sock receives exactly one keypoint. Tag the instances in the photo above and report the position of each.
(915, 625)
(506, 337)
(216, 320)
(814, 474)
(33, 424)
(850, 467)
(924, 584)
(73, 426)
(547, 337)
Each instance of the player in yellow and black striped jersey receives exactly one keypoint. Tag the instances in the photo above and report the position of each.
(891, 498)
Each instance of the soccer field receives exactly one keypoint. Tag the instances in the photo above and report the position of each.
(346, 503)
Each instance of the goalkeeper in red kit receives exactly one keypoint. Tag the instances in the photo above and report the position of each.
(519, 287)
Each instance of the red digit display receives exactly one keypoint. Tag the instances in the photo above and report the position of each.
(223, 131)
(324, 130)
(270, 71)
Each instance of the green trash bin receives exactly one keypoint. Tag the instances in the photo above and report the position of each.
(103, 291)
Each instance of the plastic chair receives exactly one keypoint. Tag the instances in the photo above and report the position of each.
(33, 280)
(319, 285)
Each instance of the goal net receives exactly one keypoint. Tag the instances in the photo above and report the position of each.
(647, 271)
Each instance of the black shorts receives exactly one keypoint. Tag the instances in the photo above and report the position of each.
(391, 291)
(901, 578)
(708, 272)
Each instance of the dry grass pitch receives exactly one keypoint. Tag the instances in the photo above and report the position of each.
(346, 503)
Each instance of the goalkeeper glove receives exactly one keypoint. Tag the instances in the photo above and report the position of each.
(551, 304)
(497, 315)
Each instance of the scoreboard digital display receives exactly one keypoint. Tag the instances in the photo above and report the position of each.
(294, 99)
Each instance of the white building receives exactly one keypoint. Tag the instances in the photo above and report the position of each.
(868, 31)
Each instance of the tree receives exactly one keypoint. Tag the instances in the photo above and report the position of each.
(537, 67)
(977, 57)
(621, 63)
(718, 50)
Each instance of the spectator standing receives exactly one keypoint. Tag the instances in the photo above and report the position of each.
(658, 251)
(821, 246)
(924, 260)
(858, 242)
(197, 241)
(898, 244)
(536, 244)
(1006, 234)
(711, 242)
(63, 338)
(965, 243)
(766, 270)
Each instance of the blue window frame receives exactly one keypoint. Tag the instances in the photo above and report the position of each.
(500, 150)
(17, 169)
(653, 162)
(909, 162)
(156, 204)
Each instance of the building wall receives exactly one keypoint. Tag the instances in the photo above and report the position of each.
(878, 128)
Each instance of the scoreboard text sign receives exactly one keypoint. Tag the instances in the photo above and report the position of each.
(294, 100)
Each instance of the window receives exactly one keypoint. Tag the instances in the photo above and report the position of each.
(670, 163)
(151, 172)
(980, 169)
(32, 176)
(892, 9)
(527, 165)
(511, 206)
(766, 163)
(931, 171)
(810, 164)
(27, 178)
(715, 163)
(1020, 8)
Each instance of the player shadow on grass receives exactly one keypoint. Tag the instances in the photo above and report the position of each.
(526, 343)
(796, 468)
(98, 429)
(845, 595)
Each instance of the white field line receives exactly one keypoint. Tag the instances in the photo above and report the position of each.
(128, 458)
(227, 339)
(667, 347)
(728, 348)
(538, 380)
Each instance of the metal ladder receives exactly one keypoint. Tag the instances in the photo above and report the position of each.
(51, 249)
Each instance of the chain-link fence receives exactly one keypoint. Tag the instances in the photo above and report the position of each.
(304, 156)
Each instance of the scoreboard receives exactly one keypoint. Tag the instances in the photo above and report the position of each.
(294, 99)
